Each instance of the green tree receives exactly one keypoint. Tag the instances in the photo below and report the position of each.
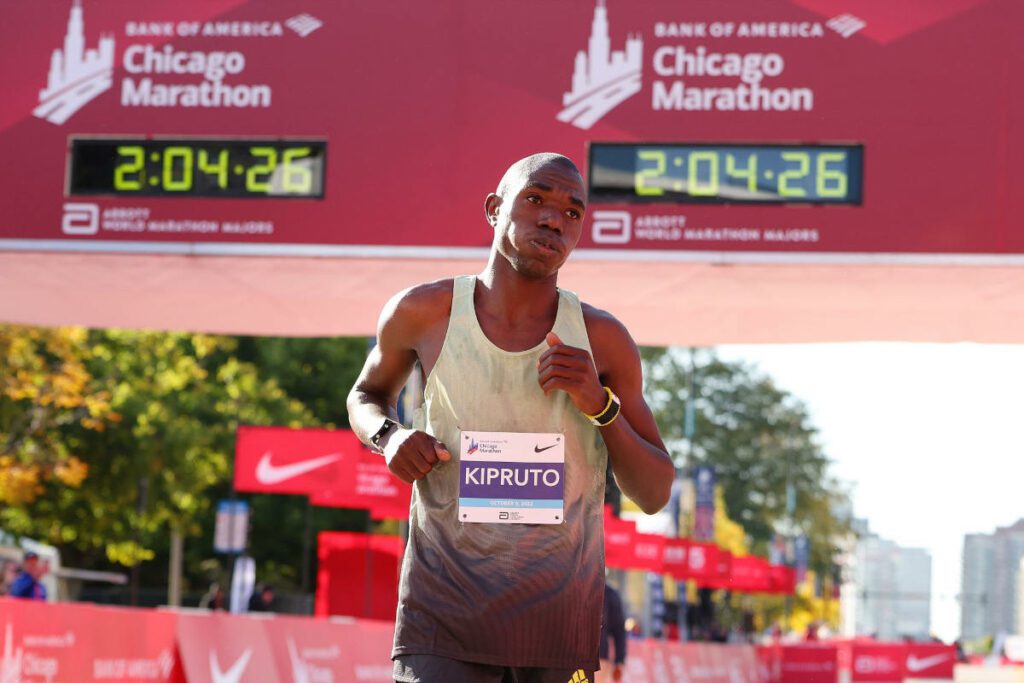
(760, 440)
(317, 372)
(179, 398)
(45, 388)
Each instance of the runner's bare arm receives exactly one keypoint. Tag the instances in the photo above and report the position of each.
(640, 461)
(405, 326)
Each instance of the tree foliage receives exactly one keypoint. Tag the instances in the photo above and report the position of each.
(177, 399)
(760, 440)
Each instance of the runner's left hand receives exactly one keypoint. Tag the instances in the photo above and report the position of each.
(571, 369)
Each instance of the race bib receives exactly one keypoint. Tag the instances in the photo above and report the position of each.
(512, 478)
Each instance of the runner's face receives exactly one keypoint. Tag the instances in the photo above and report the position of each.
(539, 221)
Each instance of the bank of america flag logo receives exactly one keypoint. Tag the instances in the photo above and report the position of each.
(303, 24)
(846, 24)
(77, 75)
(602, 78)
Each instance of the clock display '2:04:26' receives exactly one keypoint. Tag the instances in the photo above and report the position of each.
(701, 173)
(197, 167)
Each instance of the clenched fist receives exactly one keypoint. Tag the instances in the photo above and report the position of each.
(412, 454)
(572, 370)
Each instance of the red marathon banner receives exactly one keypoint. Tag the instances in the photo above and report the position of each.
(80, 642)
(330, 466)
(653, 661)
(42, 642)
(810, 664)
(885, 662)
(806, 127)
(358, 574)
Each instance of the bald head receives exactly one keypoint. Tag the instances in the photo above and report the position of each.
(518, 172)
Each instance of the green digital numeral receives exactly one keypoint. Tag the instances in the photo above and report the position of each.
(641, 176)
(826, 174)
(183, 183)
(219, 169)
(803, 160)
(750, 172)
(297, 177)
(254, 184)
(121, 171)
(694, 188)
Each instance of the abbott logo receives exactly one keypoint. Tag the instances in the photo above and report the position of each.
(80, 219)
(846, 24)
(612, 227)
(602, 79)
(77, 75)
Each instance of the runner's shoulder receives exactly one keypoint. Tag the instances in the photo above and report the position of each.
(615, 353)
(603, 325)
(420, 305)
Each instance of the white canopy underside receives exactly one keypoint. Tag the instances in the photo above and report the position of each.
(662, 303)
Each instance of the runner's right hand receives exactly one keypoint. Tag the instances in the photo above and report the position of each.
(412, 454)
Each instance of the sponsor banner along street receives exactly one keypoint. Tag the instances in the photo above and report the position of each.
(60, 642)
(709, 129)
(330, 466)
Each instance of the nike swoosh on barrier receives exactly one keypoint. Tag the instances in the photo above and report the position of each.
(915, 664)
(538, 449)
(269, 473)
(232, 675)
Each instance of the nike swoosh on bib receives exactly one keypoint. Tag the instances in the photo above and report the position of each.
(538, 449)
(269, 473)
(914, 664)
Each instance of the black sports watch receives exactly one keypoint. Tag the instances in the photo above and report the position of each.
(385, 428)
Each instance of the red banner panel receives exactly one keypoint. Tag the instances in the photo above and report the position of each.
(358, 575)
(750, 575)
(877, 661)
(114, 118)
(372, 486)
(929, 660)
(783, 579)
(331, 466)
(315, 649)
(655, 661)
(295, 461)
(648, 550)
(810, 664)
(769, 658)
(618, 542)
(674, 559)
(703, 562)
(44, 642)
(873, 661)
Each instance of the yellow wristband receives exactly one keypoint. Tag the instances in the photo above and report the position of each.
(606, 405)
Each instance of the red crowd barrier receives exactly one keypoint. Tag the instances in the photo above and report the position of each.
(89, 643)
(869, 661)
(654, 661)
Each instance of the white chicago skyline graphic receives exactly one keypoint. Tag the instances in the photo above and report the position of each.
(602, 78)
(77, 75)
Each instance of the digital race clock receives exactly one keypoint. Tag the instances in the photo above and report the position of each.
(197, 167)
(723, 174)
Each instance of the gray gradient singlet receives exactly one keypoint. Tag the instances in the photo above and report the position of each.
(503, 594)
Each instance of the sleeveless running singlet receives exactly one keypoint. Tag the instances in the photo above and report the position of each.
(503, 594)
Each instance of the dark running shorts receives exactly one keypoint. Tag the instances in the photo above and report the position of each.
(434, 669)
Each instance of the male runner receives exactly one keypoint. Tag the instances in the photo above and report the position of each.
(507, 352)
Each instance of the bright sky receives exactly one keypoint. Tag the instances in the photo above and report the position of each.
(929, 436)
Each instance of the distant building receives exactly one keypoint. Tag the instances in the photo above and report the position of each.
(976, 582)
(990, 592)
(888, 588)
